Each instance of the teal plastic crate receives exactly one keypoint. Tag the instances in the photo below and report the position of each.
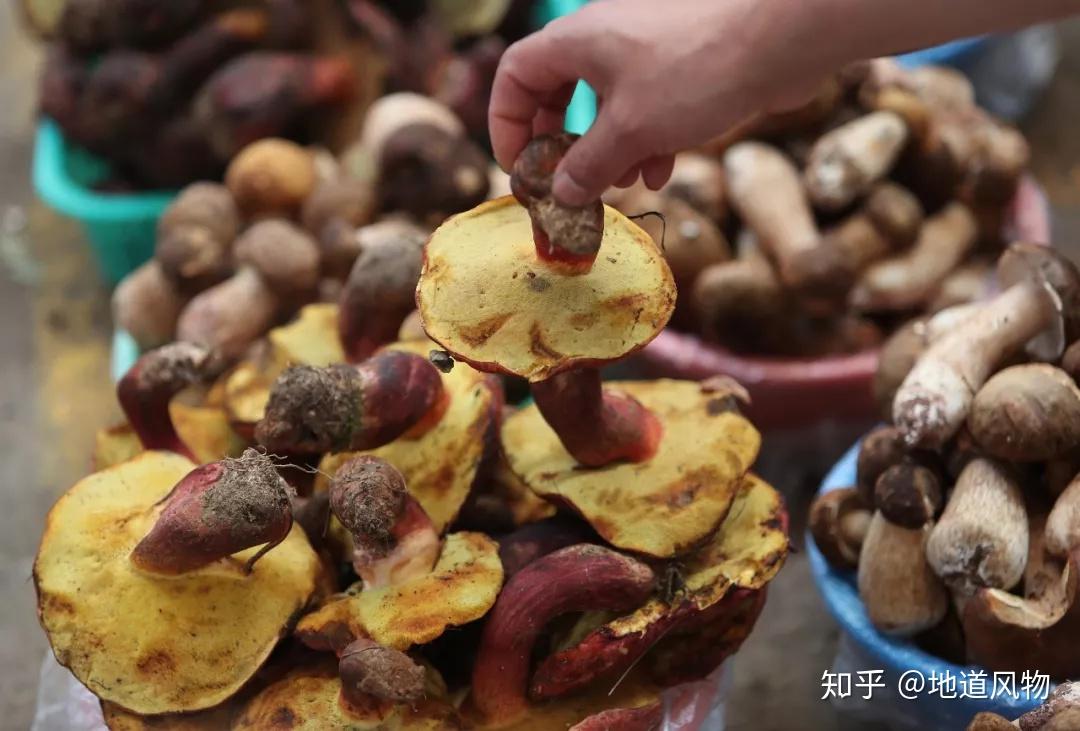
(119, 226)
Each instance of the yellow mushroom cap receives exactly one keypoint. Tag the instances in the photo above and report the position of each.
(149, 643)
(485, 297)
(665, 506)
(309, 699)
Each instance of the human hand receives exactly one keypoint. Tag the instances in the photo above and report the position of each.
(669, 76)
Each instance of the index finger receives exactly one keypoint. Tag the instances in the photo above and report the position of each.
(533, 77)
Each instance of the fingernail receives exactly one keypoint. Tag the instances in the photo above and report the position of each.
(567, 191)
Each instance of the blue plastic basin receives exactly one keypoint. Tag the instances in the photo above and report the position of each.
(875, 651)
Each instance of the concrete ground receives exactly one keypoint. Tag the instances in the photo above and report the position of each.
(54, 391)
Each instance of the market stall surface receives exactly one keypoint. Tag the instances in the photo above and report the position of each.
(54, 391)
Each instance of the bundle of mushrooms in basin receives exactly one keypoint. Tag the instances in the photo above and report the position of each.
(327, 530)
(964, 525)
(818, 231)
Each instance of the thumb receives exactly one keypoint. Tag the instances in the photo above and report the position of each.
(594, 163)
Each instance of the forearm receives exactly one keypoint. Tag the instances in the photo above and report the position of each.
(888, 27)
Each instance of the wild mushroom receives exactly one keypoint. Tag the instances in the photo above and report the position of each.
(1062, 532)
(573, 579)
(443, 464)
(400, 604)
(846, 161)
(910, 278)
(381, 289)
(1038, 307)
(712, 607)
(516, 314)
(370, 687)
(838, 522)
(1027, 413)
(144, 392)
(900, 592)
(981, 539)
(766, 191)
(1005, 632)
(146, 305)
(1059, 712)
(195, 234)
(903, 349)
(344, 407)
(393, 538)
(173, 544)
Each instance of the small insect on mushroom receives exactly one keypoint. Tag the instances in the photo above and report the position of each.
(441, 360)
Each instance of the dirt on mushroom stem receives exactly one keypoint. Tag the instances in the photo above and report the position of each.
(215, 511)
(368, 669)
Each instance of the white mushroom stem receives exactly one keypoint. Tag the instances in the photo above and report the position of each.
(935, 398)
(910, 279)
(1063, 524)
(901, 594)
(765, 189)
(981, 539)
(846, 161)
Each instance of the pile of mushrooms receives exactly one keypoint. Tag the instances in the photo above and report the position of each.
(380, 541)
(819, 231)
(290, 224)
(963, 524)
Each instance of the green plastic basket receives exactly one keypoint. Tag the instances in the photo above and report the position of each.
(120, 226)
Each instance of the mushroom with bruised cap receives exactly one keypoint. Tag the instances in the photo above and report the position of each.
(344, 407)
(180, 548)
(1039, 308)
(393, 538)
(145, 390)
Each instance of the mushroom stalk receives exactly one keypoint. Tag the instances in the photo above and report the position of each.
(566, 239)
(343, 407)
(394, 540)
(215, 511)
(574, 579)
(981, 539)
(901, 594)
(147, 388)
(597, 427)
(935, 398)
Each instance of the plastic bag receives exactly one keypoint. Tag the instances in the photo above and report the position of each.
(64, 704)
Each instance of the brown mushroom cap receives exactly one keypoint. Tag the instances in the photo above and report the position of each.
(1024, 262)
(485, 297)
(151, 643)
(665, 506)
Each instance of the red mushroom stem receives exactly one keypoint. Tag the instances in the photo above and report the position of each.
(215, 511)
(567, 239)
(147, 388)
(394, 540)
(344, 407)
(574, 579)
(596, 426)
